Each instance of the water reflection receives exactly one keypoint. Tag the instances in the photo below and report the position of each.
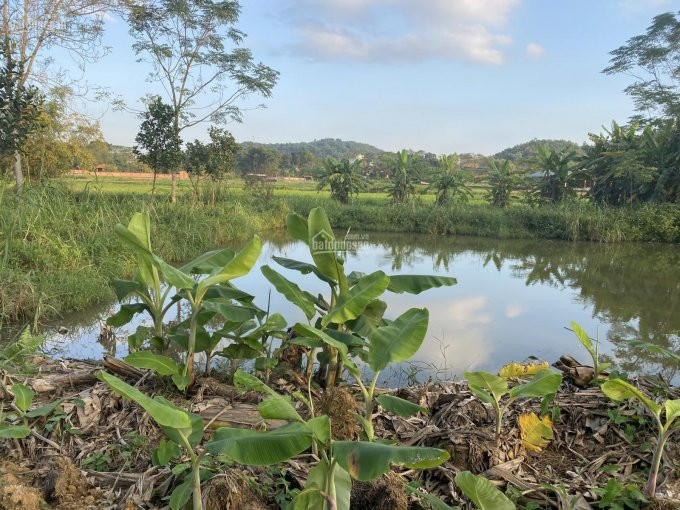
(513, 299)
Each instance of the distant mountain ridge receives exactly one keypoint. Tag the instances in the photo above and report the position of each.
(322, 148)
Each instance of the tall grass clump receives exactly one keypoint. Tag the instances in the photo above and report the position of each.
(573, 221)
(58, 253)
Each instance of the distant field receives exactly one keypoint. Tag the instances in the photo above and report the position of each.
(107, 184)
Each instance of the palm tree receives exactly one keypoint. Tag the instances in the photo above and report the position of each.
(401, 189)
(503, 180)
(343, 178)
(451, 184)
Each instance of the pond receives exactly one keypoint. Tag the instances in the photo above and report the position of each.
(513, 301)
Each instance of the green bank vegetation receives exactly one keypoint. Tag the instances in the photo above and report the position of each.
(58, 254)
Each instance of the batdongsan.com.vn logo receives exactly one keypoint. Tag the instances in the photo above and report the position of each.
(325, 242)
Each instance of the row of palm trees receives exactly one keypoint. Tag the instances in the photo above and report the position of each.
(624, 166)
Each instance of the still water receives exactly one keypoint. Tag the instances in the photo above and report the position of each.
(513, 301)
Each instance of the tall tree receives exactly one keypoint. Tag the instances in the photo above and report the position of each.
(194, 48)
(158, 142)
(653, 60)
(20, 106)
(35, 28)
(32, 29)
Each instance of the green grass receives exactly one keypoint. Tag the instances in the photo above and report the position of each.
(58, 252)
(578, 221)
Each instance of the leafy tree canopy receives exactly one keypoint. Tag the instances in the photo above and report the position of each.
(653, 60)
(195, 49)
(158, 141)
(322, 149)
(524, 152)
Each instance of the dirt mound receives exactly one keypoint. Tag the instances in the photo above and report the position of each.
(231, 491)
(64, 484)
(386, 493)
(16, 492)
(340, 406)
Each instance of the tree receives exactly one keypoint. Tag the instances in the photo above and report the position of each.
(401, 189)
(523, 153)
(33, 29)
(259, 161)
(303, 161)
(653, 60)
(20, 107)
(624, 165)
(214, 159)
(662, 145)
(343, 177)
(186, 42)
(61, 142)
(503, 180)
(560, 174)
(158, 142)
(450, 183)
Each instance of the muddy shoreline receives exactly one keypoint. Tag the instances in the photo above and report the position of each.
(95, 450)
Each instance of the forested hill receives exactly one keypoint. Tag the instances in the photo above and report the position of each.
(529, 150)
(323, 148)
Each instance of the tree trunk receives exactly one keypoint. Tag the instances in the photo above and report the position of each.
(173, 192)
(153, 187)
(18, 173)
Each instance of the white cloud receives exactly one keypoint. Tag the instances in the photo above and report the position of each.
(400, 30)
(514, 310)
(535, 50)
(467, 312)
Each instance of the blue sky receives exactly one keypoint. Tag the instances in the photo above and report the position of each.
(438, 75)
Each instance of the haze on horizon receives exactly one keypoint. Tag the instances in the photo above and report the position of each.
(441, 76)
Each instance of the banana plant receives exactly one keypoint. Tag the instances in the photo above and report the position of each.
(183, 430)
(618, 390)
(353, 311)
(329, 482)
(490, 389)
(23, 398)
(482, 492)
(211, 294)
(395, 341)
(147, 284)
(253, 340)
(237, 265)
(592, 348)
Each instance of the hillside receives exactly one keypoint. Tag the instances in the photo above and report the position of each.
(323, 148)
(529, 150)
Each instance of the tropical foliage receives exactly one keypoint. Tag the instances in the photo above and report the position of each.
(450, 183)
(402, 185)
(342, 177)
(503, 180)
